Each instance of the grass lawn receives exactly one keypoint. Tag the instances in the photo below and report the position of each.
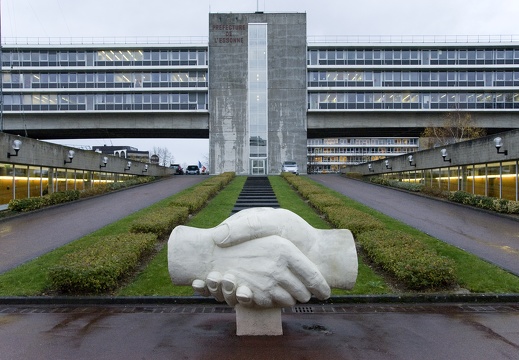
(473, 273)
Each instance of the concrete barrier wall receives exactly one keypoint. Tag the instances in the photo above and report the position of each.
(478, 151)
(39, 153)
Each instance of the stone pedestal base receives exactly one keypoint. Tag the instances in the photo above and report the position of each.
(255, 322)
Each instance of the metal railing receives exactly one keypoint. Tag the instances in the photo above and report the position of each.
(147, 40)
(369, 39)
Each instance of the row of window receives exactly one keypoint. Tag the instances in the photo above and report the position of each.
(412, 57)
(198, 57)
(402, 100)
(315, 79)
(163, 57)
(412, 78)
(363, 141)
(134, 101)
(358, 150)
(46, 80)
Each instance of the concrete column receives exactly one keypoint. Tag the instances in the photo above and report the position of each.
(257, 322)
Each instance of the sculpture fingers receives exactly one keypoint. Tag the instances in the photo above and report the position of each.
(294, 286)
(200, 287)
(244, 295)
(213, 282)
(282, 298)
(228, 285)
(274, 297)
(309, 274)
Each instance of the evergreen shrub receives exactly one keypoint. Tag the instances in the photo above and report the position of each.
(100, 267)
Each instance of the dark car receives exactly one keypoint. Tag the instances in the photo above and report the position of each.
(192, 170)
(177, 168)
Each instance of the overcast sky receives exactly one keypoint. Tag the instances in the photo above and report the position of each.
(130, 18)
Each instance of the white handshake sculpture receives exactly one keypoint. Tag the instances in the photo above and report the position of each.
(260, 260)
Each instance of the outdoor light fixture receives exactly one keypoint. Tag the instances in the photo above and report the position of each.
(105, 160)
(370, 168)
(444, 155)
(499, 143)
(16, 147)
(70, 157)
(145, 168)
(410, 158)
(128, 166)
(387, 165)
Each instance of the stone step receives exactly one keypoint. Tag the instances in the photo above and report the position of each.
(256, 192)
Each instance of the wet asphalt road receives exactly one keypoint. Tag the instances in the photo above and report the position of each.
(492, 237)
(209, 332)
(25, 237)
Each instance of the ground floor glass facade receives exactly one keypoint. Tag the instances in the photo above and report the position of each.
(499, 179)
(23, 181)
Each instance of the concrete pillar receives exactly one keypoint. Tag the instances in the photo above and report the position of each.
(257, 322)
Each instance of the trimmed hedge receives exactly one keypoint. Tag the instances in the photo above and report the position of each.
(302, 186)
(99, 268)
(34, 203)
(485, 202)
(358, 222)
(160, 222)
(195, 199)
(407, 259)
(323, 201)
(409, 186)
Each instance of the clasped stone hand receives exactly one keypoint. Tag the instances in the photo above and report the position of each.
(262, 257)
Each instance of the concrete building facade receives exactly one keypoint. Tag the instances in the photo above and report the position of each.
(257, 92)
(262, 91)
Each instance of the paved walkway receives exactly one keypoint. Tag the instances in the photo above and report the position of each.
(27, 236)
(492, 237)
(309, 332)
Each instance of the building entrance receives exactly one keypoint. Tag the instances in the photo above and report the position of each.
(258, 167)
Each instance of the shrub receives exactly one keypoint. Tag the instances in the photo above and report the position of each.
(500, 205)
(406, 185)
(303, 187)
(28, 204)
(96, 190)
(35, 203)
(100, 267)
(63, 197)
(353, 175)
(320, 201)
(195, 199)
(459, 197)
(160, 222)
(513, 207)
(356, 221)
(421, 268)
(379, 180)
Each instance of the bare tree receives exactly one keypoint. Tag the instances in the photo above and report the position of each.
(165, 156)
(457, 126)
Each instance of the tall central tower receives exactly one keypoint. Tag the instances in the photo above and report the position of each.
(257, 92)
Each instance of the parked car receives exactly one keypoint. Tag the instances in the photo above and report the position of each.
(192, 170)
(177, 168)
(290, 166)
